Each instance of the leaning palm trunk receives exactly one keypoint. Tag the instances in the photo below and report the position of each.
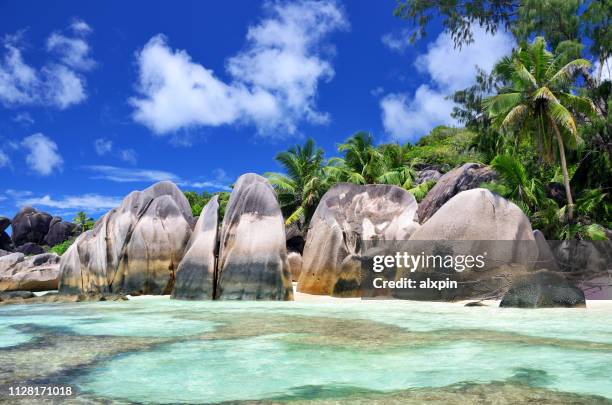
(568, 192)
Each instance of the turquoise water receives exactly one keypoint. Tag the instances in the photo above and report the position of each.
(156, 350)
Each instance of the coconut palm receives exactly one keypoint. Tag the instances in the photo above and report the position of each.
(83, 221)
(537, 102)
(364, 163)
(305, 182)
(515, 184)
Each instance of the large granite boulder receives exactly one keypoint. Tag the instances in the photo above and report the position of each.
(30, 225)
(474, 223)
(543, 289)
(59, 231)
(4, 223)
(427, 175)
(6, 243)
(463, 178)
(30, 249)
(295, 233)
(196, 274)
(253, 256)
(546, 258)
(588, 262)
(34, 273)
(134, 248)
(348, 215)
(295, 265)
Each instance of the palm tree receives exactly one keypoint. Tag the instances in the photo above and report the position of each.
(83, 221)
(303, 185)
(537, 102)
(364, 163)
(515, 184)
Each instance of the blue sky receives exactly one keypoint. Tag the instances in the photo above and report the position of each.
(99, 99)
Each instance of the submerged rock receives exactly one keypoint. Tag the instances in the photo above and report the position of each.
(9, 295)
(134, 248)
(463, 178)
(30, 225)
(34, 273)
(253, 256)
(348, 215)
(543, 289)
(195, 277)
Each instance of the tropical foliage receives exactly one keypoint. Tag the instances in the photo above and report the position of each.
(537, 102)
(540, 119)
(83, 222)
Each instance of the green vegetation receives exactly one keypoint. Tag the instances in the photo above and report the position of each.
(83, 221)
(197, 202)
(536, 102)
(308, 175)
(540, 118)
(60, 248)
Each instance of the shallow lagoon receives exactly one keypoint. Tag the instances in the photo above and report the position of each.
(156, 350)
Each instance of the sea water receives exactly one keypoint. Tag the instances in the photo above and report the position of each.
(157, 350)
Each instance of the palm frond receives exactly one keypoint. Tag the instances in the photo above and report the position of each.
(567, 74)
(563, 118)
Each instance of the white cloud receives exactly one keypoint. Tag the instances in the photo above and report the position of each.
(80, 27)
(58, 82)
(274, 79)
(409, 120)
(24, 118)
(4, 159)
(103, 146)
(43, 156)
(85, 202)
(72, 51)
(396, 41)
(132, 175)
(449, 70)
(129, 156)
(603, 71)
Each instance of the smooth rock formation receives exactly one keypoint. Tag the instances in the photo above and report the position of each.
(30, 249)
(195, 277)
(253, 256)
(4, 223)
(589, 264)
(30, 225)
(348, 215)
(427, 175)
(463, 178)
(59, 231)
(6, 243)
(474, 222)
(295, 233)
(546, 258)
(134, 248)
(35, 273)
(295, 265)
(543, 289)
